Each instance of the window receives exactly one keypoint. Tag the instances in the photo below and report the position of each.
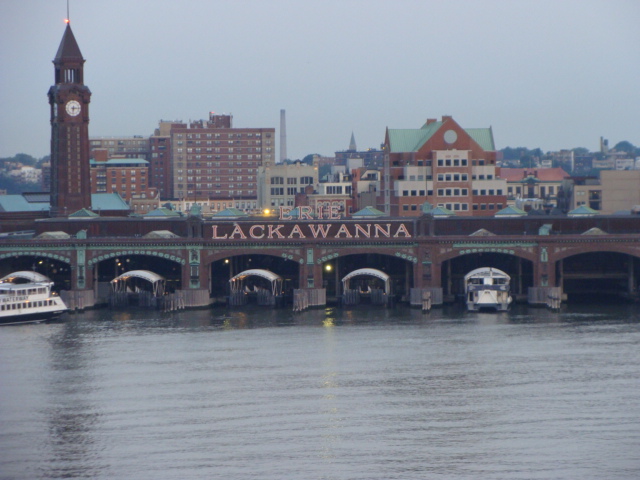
(277, 181)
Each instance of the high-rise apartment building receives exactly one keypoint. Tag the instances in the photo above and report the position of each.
(160, 171)
(212, 160)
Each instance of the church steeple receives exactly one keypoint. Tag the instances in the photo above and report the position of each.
(352, 143)
(69, 99)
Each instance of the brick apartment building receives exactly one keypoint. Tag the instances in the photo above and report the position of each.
(212, 160)
(444, 165)
(129, 177)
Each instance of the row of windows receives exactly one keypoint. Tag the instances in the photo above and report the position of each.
(542, 190)
(279, 191)
(414, 193)
(456, 162)
(482, 177)
(219, 135)
(490, 191)
(455, 207)
(16, 306)
(453, 177)
(338, 190)
(218, 142)
(218, 150)
(281, 202)
(230, 193)
(487, 206)
(291, 180)
(453, 192)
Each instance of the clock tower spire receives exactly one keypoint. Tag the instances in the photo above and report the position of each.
(69, 99)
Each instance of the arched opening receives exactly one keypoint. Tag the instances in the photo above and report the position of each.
(399, 270)
(137, 287)
(366, 285)
(454, 270)
(226, 268)
(255, 286)
(57, 271)
(113, 267)
(598, 276)
(106, 270)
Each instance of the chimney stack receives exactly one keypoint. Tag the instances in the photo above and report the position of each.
(283, 136)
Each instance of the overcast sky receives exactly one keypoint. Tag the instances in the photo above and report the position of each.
(549, 74)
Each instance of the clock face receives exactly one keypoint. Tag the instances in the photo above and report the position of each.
(73, 108)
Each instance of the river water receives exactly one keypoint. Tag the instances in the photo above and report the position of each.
(364, 393)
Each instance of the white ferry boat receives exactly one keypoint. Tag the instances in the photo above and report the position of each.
(487, 288)
(29, 301)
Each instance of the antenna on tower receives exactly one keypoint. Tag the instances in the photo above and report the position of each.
(68, 19)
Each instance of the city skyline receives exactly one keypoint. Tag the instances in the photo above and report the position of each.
(542, 74)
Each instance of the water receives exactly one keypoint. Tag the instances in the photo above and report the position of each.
(328, 394)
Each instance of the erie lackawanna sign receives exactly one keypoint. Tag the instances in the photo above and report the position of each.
(273, 231)
(304, 226)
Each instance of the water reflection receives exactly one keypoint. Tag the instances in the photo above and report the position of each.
(361, 393)
(72, 418)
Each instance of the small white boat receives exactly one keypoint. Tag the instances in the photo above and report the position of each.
(29, 301)
(487, 288)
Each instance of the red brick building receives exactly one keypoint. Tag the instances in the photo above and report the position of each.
(211, 159)
(442, 164)
(129, 177)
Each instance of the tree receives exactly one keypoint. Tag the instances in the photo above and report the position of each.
(625, 146)
(308, 159)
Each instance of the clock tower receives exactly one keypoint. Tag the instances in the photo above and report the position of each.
(69, 99)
